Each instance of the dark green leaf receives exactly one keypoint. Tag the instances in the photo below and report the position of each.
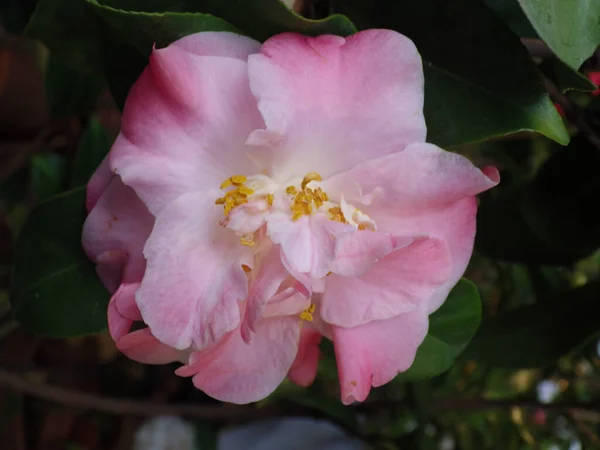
(548, 220)
(566, 78)
(70, 91)
(48, 175)
(539, 334)
(570, 28)
(479, 80)
(160, 28)
(450, 329)
(259, 19)
(55, 289)
(64, 26)
(93, 147)
(513, 16)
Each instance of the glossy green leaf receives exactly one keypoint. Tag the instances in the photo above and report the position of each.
(95, 144)
(566, 78)
(70, 91)
(451, 328)
(510, 11)
(547, 220)
(259, 19)
(55, 290)
(539, 334)
(48, 175)
(479, 80)
(571, 28)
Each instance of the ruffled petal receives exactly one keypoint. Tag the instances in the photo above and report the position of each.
(185, 124)
(355, 253)
(114, 234)
(374, 353)
(330, 103)
(194, 278)
(304, 370)
(401, 282)
(140, 345)
(98, 183)
(307, 244)
(454, 224)
(422, 177)
(239, 372)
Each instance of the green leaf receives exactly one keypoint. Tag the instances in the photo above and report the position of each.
(259, 19)
(513, 16)
(95, 144)
(48, 174)
(55, 289)
(479, 79)
(547, 220)
(539, 334)
(450, 330)
(566, 78)
(64, 27)
(160, 28)
(70, 91)
(570, 28)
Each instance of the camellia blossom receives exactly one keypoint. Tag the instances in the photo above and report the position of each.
(260, 197)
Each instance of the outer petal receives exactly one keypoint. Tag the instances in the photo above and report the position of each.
(307, 244)
(194, 278)
(218, 43)
(304, 369)
(98, 183)
(140, 345)
(237, 372)
(330, 103)
(401, 282)
(185, 124)
(453, 224)
(114, 234)
(373, 354)
(419, 178)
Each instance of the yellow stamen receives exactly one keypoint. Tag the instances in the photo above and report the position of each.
(247, 242)
(307, 314)
(312, 176)
(238, 179)
(226, 183)
(220, 201)
(270, 199)
(246, 268)
(291, 190)
(245, 190)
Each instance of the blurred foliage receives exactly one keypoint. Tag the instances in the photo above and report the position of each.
(530, 376)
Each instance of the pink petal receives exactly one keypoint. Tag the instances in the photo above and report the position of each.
(114, 234)
(355, 253)
(98, 183)
(239, 372)
(140, 345)
(219, 43)
(307, 244)
(270, 275)
(143, 347)
(194, 277)
(374, 353)
(401, 282)
(185, 124)
(330, 103)
(304, 369)
(453, 224)
(421, 177)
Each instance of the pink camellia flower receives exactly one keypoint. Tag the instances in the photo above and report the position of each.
(261, 197)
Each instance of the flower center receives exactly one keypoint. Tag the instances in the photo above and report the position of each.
(258, 194)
